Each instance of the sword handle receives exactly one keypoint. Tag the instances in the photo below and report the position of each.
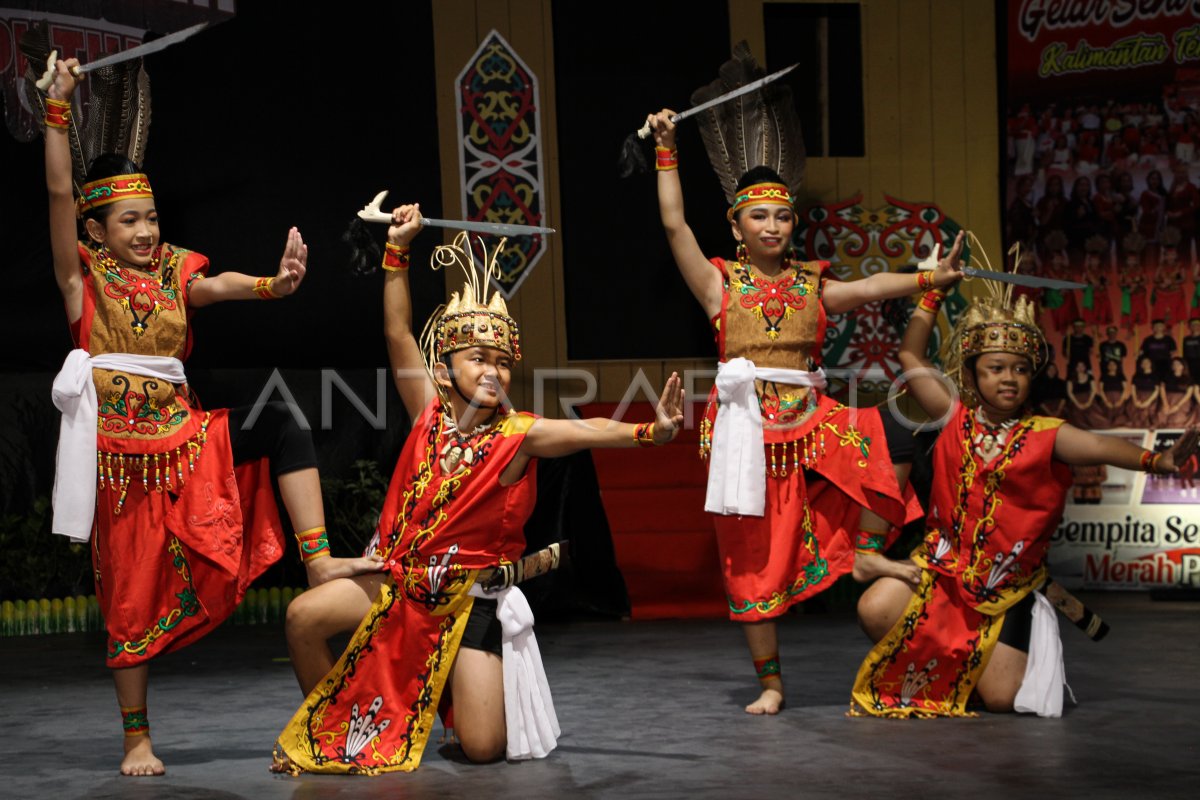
(644, 131)
(1073, 609)
(47, 80)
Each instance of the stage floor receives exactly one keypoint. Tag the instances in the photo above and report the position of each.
(647, 710)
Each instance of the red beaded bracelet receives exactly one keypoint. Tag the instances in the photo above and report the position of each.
(932, 301)
(58, 113)
(395, 257)
(666, 158)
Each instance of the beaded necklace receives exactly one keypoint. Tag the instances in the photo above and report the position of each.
(989, 439)
(460, 448)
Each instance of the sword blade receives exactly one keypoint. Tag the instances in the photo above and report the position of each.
(496, 228)
(161, 43)
(1022, 280)
(738, 92)
(373, 212)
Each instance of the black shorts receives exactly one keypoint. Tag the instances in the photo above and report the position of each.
(1018, 621)
(275, 435)
(902, 444)
(483, 631)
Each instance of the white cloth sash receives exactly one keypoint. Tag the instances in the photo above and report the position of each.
(1041, 689)
(529, 716)
(737, 467)
(74, 395)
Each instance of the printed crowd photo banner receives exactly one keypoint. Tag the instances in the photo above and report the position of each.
(500, 158)
(1103, 187)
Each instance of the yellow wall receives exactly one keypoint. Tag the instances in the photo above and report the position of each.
(932, 133)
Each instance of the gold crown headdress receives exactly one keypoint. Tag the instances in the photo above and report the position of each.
(469, 319)
(994, 324)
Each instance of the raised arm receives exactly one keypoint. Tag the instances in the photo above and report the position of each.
(239, 286)
(839, 297)
(699, 275)
(404, 352)
(64, 240)
(928, 386)
(1084, 448)
(550, 438)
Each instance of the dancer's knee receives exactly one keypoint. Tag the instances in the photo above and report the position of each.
(482, 747)
(881, 605)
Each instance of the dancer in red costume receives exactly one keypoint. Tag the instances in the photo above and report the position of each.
(974, 624)
(831, 502)
(462, 490)
(175, 501)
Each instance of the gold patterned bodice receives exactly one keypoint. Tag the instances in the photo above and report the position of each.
(774, 323)
(128, 310)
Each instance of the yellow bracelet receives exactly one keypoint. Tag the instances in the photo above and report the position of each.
(262, 288)
(644, 435)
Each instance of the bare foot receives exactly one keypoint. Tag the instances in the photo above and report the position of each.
(280, 763)
(869, 566)
(769, 702)
(324, 569)
(139, 758)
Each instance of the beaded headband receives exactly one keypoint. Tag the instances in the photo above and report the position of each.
(759, 194)
(110, 190)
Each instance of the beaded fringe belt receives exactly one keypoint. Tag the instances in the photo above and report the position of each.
(784, 458)
(116, 471)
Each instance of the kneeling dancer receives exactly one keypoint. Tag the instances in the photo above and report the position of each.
(977, 623)
(455, 511)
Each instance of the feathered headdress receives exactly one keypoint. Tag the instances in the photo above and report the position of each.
(469, 319)
(994, 324)
(118, 112)
(757, 129)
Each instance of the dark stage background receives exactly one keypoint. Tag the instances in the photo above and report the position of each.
(286, 115)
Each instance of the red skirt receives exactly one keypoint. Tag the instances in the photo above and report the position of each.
(805, 540)
(374, 711)
(931, 660)
(172, 567)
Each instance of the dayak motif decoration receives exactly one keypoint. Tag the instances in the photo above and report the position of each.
(500, 159)
(859, 242)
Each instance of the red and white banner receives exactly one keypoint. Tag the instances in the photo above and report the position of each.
(1058, 48)
(1130, 530)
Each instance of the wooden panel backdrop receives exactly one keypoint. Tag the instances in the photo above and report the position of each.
(931, 125)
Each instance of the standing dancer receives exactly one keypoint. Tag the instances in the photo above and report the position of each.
(463, 487)
(802, 487)
(176, 532)
(974, 623)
